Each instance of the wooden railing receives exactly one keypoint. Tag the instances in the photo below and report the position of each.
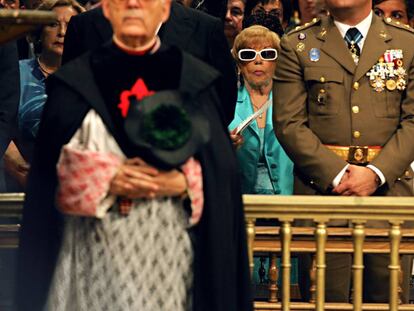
(286, 239)
(357, 240)
(10, 214)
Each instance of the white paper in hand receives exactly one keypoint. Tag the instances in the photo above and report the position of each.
(246, 122)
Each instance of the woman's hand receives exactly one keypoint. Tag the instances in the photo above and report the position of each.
(237, 139)
(15, 165)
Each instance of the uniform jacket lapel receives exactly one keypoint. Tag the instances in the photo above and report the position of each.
(334, 45)
(374, 47)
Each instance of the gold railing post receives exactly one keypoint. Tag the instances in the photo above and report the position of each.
(312, 277)
(321, 235)
(286, 234)
(273, 276)
(251, 233)
(394, 267)
(358, 234)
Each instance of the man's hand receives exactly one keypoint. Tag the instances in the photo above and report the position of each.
(135, 179)
(170, 183)
(237, 139)
(358, 181)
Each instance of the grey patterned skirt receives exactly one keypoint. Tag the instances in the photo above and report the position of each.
(140, 262)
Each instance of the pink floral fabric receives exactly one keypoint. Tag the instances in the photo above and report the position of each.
(194, 176)
(84, 180)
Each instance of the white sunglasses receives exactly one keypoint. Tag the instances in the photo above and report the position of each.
(250, 54)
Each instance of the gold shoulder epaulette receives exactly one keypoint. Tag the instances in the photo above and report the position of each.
(304, 26)
(398, 24)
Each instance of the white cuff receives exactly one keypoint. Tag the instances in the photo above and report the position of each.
(378, 172)
(338, 177)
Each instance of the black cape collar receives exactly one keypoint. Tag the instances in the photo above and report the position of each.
(196, 76)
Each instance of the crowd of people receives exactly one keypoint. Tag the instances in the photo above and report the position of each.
(138, 124)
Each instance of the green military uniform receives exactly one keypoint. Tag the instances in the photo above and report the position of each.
(324, 98)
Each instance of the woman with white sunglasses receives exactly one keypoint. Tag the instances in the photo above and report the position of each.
(265, 167)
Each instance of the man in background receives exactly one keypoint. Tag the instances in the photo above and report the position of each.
(195, 32)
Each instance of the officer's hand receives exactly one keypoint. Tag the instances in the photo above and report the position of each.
(237, 139)
(358, 181)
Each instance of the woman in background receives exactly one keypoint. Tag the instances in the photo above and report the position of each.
(265, 167)
(233, 21)
(48, 42)
(399, 10)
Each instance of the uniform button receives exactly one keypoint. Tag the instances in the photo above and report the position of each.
(356, 86)
(407, 174)
(357, 134)
(273, 166)
(355, 109)
(388, 19)
(322, 91)
(322, 79)
(311, 182)
(314, 20)
(397, 23)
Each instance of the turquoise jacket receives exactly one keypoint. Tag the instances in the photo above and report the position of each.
(277, 161)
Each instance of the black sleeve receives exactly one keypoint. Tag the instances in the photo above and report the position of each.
(10, 92)
(72, 46)
(221, 59)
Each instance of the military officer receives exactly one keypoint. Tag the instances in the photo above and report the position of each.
(344, 113)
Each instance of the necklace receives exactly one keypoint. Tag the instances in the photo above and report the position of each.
(258, 108)
(43, 69)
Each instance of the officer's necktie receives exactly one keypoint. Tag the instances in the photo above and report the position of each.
(353, 37)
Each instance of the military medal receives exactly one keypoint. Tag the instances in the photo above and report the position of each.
(378, 84)
(300, 47)
(389, 72)
(391, 85)
(314, 54)
(401, 84)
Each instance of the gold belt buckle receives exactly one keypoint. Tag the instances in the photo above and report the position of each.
(358, 155)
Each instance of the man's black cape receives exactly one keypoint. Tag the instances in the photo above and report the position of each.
(221, 275)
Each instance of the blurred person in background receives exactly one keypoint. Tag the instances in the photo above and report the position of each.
(10, 4)
(48, 42)
(399, 10)
(306, 10)
(265, 167)
(280, 9)
(215, 8)
(233, 22)
(267, 16)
